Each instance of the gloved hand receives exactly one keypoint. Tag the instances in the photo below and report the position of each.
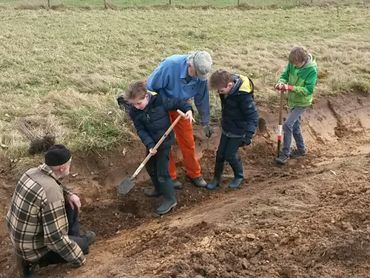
(207, 131)
(246, 142)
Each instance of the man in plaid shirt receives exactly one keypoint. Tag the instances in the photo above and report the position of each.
(43, 216)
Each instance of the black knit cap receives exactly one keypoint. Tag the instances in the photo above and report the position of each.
(57, 155)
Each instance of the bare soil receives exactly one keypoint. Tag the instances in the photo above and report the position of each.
(309, 218)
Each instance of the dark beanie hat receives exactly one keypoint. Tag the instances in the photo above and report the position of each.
(57, 155)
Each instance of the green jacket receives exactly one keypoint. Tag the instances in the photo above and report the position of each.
(304, 81)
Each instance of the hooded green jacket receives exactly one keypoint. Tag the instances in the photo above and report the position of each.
(304, 81)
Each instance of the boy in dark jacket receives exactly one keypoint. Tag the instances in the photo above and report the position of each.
(149, 112)
(299, 80)
(239, 122)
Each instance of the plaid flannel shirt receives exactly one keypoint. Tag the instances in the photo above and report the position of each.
(37, 219)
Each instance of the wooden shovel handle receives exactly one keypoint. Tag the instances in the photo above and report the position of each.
(280, 126)
(164, 136)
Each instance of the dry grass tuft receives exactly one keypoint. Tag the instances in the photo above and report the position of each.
(40, 145)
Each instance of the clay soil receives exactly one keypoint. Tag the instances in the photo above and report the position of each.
(310, 218)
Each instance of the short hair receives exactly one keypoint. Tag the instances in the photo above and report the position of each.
(298, 55)
(220, 78)
(136, 89)
(202, 62)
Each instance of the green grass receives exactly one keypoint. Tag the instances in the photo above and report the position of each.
(61, 69)
(178, 3)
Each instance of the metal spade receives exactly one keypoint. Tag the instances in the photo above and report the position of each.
(128, 183)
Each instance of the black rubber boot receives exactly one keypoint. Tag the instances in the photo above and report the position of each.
(177, 184)
(169, 194)
(153, 192)
(219, 168)
(237, 167)
(166, 206)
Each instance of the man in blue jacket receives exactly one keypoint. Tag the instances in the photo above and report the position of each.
(185, 77)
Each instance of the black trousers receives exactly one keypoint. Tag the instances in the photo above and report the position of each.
(157, 168)
(228, 151)
(74, 234)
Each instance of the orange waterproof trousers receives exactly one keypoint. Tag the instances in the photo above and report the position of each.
(185, 140)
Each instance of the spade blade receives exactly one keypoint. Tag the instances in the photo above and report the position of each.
(125, 186)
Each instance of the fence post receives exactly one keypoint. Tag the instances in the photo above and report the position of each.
(238, 3)
(49, 4)
(169, 2)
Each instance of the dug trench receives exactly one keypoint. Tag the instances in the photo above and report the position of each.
(306, 219)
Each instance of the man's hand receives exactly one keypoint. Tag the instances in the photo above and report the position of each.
(74, 201)
(207, 131)
(189, 116)
(152, 151)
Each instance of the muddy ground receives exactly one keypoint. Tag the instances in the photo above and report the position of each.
(310, 218)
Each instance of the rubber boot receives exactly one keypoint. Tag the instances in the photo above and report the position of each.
(153, 192)
(219, 168)
(237, 167)
(169, 194)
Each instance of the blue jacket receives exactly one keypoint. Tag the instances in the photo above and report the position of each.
(171, 79)
(239, 112)
(152, 122)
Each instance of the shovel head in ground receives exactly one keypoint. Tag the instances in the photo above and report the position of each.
(125, 186)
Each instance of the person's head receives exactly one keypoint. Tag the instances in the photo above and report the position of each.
(59, 158)
(199, 64)
(298, 56)
(137, 95)
(222, 81)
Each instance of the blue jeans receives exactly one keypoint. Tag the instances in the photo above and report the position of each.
(292, 126)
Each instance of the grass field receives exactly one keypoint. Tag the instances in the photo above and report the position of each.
(181, 3)
(61, 70)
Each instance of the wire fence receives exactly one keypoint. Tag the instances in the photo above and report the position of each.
(112, 4)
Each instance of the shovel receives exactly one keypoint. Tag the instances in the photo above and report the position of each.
(128, 183)
(280, 126)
